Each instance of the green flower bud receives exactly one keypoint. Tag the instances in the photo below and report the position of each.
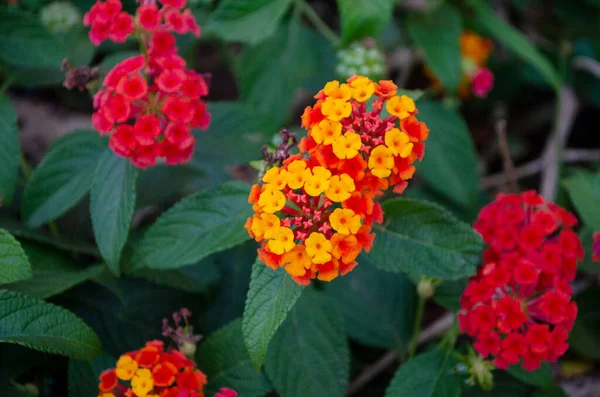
(426, 288)
(60, 17)
(361, 58)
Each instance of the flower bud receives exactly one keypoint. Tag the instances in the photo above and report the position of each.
(361, 59)
(481, 372)
(188, 348)
(60, 16)
(426, 288)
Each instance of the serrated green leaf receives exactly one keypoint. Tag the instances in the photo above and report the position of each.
(9, 150)
(14, 265)
(224, 359)
(25, 42)
(422, 238)
(45, 327)
(83, 375)
(541, 377)
(515, 40)
(270, 73)
(584, 190)
(437, 33)
(271, 296)
(249, 21)
(430, 374)
(378, 308)
(63, 177)
(360, 19)
(450, 163)
(111, 206)
(310, 342)
(53, 272)
(199, 225)
(584, 338)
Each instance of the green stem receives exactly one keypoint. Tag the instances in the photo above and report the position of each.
(53, 228)
(318, 23)
(25, 168)
(417, 328)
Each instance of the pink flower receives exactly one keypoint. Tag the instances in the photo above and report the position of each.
(483, 82)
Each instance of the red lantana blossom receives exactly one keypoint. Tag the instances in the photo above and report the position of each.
(149, 103)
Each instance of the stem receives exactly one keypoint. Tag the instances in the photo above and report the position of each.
(509, 167)
(53, 228)
(25, 168)
(318, 23)
(417, 329)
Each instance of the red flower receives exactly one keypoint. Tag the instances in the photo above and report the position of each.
(108, 380)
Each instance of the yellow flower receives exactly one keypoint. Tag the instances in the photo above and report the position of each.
(381, 161)
(345, 221)
(400, 106)
(265, 225)
(336, 109)
(126, 367)
(334, 90)
(340, 188)
(297, 174)
(398, 142)
(317, 182)
(142, 383)
(296, 261)
(271, 200)
(326, 131)
(318, 247)
(276, 177)
(347, 145)
(282, 241)
(362, 89)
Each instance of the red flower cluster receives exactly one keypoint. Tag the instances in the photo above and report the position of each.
(149, 103)
(518, 306)
(596, 247)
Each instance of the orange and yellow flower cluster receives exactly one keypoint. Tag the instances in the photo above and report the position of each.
(314, 213)
(152, 372)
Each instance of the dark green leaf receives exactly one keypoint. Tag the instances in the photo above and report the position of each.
(516, 41)
(541, 377)
(111, 206)
(63, 177)
(431, 374)
(377, 307)
(450, 163)
(14, 390)
(83, 375)
(25, 42)
(53, 272)
(249, 21)
(360, 19)
(437, 33)
(199, 225)
(14, 265)
(448, 293)
(587, 239)
(9, 150)
(422, 238)
(584, 189)
(45, 327)
(585, 338)
(271, 296)
(504, 386)
(225, 361)
(310, 342)
(192, 278)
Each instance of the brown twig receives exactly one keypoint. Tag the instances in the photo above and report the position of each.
(509, 167)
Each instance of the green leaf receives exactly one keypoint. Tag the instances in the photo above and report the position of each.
(63, 177)
(53, 272)
(450, 163)
(378, 308)
(310, 342)
(25, 42)
(437, 33)
(360, 19)
(271, 296)
(111, 206)
(504, 386)
(516, 41)
(584, 338)
(14, 265)
(270, 73)
(587, 239)
(249, 21)
(584, 190)
(541, 377)
(448, 293)
(83, 375)
(422, 238)
(199, 225)
(431, 374)
(225, 361)
(45, 327)
(9, 150)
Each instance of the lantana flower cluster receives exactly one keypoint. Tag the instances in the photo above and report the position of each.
(150, 102)
(518, 307)
(476, 78)
(314, 213)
